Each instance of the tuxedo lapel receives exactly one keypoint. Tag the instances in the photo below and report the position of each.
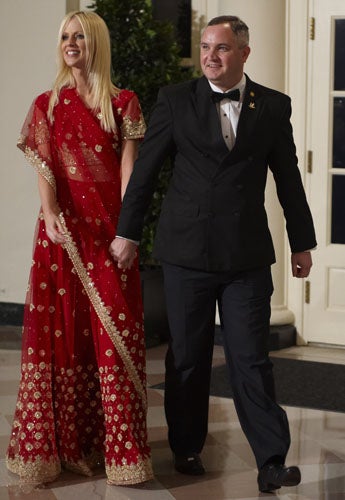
(251, 109)
(208, 119)
(210, 125)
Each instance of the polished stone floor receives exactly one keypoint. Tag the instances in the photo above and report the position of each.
(318, 447)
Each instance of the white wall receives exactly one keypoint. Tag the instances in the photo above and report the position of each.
(266, 22)
(28, 35)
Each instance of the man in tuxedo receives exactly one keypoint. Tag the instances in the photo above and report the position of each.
(223, 131)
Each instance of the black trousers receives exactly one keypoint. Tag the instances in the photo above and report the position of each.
(244, 307)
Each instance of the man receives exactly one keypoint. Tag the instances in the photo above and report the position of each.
(214, 243)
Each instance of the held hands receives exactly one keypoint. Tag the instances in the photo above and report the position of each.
(123, 252)
(301, 263)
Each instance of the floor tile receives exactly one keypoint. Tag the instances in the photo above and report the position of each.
(317, 446)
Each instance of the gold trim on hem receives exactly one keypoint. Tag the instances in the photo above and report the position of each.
(121, 475)
(85, 466)
(34, 472)
(102, 312)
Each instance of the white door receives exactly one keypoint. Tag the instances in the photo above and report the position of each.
(325, 313)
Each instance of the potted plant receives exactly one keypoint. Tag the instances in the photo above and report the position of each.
(145, 57)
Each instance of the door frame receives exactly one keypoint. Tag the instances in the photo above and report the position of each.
(297, 84)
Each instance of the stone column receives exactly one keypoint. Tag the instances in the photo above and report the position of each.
(266, 65)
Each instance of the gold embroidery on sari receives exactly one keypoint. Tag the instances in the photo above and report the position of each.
(129, 474)
(34, 471)
(42, 135)
(102, 312)
(68, 159)
(40, 165)
(85, 466)
(21, 142)
(133, 129)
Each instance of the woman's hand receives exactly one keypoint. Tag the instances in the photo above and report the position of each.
(54, 228)
(51, 211)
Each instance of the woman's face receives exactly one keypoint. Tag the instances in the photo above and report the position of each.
(73, 45)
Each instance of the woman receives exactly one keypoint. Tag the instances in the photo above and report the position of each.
(82, 395)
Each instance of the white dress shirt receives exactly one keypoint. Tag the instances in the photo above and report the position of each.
(229, 112)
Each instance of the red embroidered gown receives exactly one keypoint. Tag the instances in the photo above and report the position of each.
(82, 394)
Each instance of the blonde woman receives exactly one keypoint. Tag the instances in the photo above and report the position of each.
(82, 396)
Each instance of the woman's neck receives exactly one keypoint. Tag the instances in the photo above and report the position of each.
(82, 87)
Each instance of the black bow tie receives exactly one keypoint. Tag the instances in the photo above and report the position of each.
(234, 95)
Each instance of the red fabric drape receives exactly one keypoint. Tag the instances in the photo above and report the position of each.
(82, 395)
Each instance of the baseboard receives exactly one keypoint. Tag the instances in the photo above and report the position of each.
(11, 313)
(282, 336)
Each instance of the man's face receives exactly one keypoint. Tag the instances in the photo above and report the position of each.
(220, 57)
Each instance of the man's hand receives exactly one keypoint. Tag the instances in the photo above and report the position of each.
(123, 252)
(301, 263)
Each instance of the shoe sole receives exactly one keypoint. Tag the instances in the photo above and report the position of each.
(292, 481)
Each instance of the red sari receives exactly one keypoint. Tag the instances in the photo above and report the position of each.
(82, 395)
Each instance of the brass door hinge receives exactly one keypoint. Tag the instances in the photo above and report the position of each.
(307, 292)
(309, 162)
(312, 28)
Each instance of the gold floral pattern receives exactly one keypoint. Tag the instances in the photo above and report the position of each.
(133, 129)
(40, 166)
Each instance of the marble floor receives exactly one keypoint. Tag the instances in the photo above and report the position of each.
(318, 447)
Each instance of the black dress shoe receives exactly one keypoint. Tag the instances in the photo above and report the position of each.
(189, 464)
(273, 476)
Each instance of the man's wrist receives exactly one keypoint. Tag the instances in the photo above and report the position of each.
(127, 239)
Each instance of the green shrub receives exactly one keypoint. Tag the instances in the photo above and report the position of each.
(145, 57)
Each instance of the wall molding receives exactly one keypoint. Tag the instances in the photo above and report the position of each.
(11, 313)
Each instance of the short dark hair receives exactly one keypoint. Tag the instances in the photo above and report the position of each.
(239, 28)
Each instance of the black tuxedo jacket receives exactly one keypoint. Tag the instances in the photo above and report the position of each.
(213, 216)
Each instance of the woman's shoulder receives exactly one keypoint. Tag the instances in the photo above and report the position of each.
(123, 97)
(42, 100)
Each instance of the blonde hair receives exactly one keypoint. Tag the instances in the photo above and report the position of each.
(98, 67)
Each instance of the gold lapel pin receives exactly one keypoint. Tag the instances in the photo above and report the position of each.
(252, 103)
